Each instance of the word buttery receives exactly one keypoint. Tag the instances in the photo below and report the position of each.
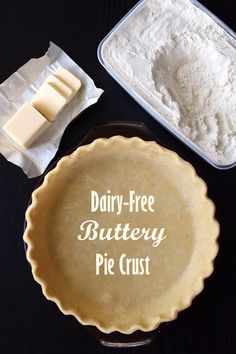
(92, 231)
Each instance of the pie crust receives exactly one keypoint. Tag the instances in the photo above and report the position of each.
(65, 266)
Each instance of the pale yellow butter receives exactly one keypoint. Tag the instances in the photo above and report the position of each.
(68, 78)
(26, 125)
(49, 101)
(60, 86)
(31, 120)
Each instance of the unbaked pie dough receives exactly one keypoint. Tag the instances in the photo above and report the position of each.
(65, 265)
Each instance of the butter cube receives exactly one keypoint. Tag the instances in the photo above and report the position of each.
(26, 125)
(60, 86)
(49, 102)
(68, 78)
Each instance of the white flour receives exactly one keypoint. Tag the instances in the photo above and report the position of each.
(184, 64)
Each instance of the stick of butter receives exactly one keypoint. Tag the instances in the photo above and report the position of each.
(26, 125)
(31, 120)
(49, 102)
(68, 78)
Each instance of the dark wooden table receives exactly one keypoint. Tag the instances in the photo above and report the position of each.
(30, 324)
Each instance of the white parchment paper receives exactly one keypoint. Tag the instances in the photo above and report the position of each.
(20, 87)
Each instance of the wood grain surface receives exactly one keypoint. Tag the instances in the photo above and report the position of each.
(29, 324)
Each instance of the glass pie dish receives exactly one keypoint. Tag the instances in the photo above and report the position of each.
(182, 253)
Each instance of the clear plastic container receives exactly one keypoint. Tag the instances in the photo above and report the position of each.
(147, 106)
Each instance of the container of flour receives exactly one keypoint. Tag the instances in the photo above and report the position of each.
(178, 61)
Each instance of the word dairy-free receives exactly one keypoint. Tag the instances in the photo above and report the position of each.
(115, 203)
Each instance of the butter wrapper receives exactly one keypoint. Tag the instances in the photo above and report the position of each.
(20, 87)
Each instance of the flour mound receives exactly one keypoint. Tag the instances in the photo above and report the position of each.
(198, 83)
